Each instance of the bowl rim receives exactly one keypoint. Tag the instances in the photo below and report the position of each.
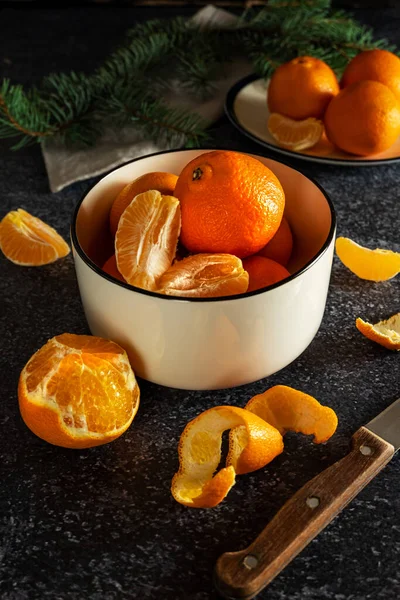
(237, 297)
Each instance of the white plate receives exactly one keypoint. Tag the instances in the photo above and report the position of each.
(246, 107)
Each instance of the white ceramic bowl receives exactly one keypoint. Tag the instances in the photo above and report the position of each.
(202, 343)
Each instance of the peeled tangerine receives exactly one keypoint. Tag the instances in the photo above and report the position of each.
(374, 265)
(255, 439)
(147, 237)
(386, 333)
(205, 275)
(78, 391)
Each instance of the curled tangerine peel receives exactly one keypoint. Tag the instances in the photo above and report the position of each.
(373, 265)
(28, 241)
(386, 332)
(147, 238)
(78, 391)
(288, 409)
(254, 445)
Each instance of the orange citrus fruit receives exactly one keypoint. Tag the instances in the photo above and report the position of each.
(295, 135)
(147, 237)
(374, 65)
(78, 391)
(263, 272)
(302, 88)
(28, 241)
(281, 246)
(230, 203)
(110, 267)
(363, 119)
(288, 409)
(374, 265)
(205, 276)
(253, 445)
(162, 182)
(386, 333)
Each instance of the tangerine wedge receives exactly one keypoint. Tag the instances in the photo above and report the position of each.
(373, 265)
(78, 391)
(28, 241)
(386, 332)
(288, 409)
(295, 135)
(147, 237)
(256, 443)
(205, 276)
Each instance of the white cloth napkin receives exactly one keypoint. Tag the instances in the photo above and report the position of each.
(65, 166)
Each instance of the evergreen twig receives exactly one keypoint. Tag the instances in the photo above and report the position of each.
(126, 89)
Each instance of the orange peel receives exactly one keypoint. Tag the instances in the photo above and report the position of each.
(386, 332)
(255, 444)
(288, 409)
(373, 265)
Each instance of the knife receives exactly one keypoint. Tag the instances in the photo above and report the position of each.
(244, 574)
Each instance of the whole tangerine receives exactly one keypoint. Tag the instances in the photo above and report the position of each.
(363, 119)
(374, 65)
(263, 272)
(302, 88)
(230, 203)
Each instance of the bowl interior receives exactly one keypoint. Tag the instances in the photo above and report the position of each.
(306, 209)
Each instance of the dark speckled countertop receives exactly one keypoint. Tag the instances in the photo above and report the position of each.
(101, 524)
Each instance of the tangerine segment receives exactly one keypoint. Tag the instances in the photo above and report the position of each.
(199, 452)
(28, 241)
(162, 182)
(386, 333)
(205, 276)
(78, 391)
(288, 409)
(373, 265)
(295, 135)
(147, 237)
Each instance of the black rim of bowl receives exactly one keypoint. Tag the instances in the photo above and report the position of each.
(88, 261)
(230, 113)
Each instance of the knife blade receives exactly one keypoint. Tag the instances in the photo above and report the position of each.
(245, 573)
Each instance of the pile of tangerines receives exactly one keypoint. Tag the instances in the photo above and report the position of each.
(361, 115)
(216, 230)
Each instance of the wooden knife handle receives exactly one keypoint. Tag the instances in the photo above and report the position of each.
(244, 574)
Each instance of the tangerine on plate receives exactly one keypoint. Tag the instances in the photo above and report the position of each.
(110, 267)
(254, 444)
(263, 272)
(295, 135)
(386, 332)
(302, 88)
(231, 203)
(78, 391)
(28, 241)
(162, 182)
(363, 119)
(374, 65)
(373, 265)
(281, 246)
(147, 237)
(205, 276)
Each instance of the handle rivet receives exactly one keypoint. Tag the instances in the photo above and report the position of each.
(250, 561)
(366, 450)
(313, 501)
